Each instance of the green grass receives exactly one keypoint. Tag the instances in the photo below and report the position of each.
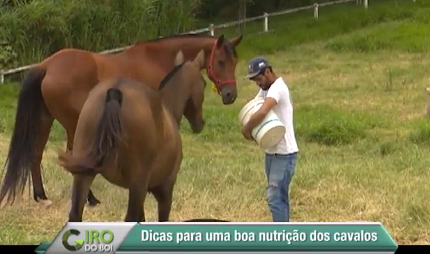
(359, 98)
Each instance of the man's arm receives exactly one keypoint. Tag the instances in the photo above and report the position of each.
(271, 100)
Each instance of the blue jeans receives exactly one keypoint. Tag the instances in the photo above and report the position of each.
(279, 171)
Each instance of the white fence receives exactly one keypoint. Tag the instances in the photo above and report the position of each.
(212, 27)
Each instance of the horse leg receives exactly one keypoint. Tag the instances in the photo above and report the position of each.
(81, 187)
(163, 193)
(136, 199)
(91, 199)
(39, 194)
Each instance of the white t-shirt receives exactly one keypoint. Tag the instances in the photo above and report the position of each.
(284, 110)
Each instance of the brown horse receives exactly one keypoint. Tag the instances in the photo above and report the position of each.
(58, 87)
(129, 134)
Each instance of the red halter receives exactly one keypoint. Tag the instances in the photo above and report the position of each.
(211, 75)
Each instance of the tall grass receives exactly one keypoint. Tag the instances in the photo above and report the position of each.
(33, 30)
(40, 27)
(298, 28)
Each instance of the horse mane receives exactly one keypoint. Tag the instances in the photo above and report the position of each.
(170, 75)
(175, 36)
(228, 46)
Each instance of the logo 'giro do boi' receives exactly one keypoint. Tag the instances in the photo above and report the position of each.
(66, 235)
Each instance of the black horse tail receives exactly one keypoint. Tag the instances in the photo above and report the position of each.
(24, 136)
(106, 140)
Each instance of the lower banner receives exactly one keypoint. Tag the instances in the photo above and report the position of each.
(227, 237)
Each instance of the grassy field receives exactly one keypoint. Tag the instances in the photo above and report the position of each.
(359, 99)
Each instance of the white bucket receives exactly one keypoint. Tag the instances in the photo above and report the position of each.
(269, 132)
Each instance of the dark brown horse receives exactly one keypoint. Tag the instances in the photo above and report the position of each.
(57, 88)
(129, 134)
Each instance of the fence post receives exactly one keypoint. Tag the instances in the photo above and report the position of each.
(1, 77)
(212, 29)
(316, 10)
(266, 22)
(366, 4)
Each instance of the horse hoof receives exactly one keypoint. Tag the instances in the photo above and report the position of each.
(93, 203)
(46, 203)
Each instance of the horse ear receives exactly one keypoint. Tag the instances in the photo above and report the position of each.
(220, 41)
(236, 41)
(179, 58)
(200, 59)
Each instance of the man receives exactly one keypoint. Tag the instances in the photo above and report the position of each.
(280, 160)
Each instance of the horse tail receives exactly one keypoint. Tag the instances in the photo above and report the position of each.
(106, 140)
(24, 136)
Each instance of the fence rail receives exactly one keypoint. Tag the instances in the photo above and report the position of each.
(212, 27)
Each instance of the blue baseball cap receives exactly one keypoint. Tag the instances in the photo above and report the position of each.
(256, 65)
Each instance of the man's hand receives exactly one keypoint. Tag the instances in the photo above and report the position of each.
(246, 132)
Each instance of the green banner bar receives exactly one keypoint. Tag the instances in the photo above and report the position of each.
(43, 247)
(310, 237)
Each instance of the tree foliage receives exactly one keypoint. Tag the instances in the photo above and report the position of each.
(37, 28)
